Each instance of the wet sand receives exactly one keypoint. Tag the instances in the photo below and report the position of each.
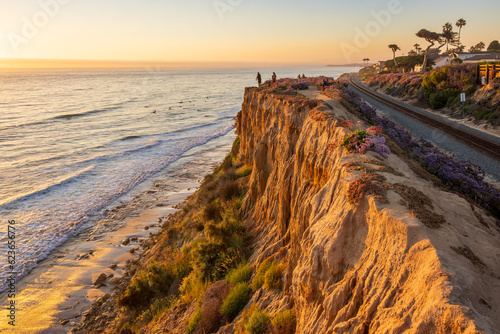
(53, 297)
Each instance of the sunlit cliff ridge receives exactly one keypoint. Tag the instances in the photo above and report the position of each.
(343, 262)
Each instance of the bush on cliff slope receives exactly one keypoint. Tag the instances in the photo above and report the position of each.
(254, 321)
(285, 322)
(269, 274)
(241, 274)
(236, 300)
(213, 241)
(152, 283)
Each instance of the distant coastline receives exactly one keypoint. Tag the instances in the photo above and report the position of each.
(347, 65)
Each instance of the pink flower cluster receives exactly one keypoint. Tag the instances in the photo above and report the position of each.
(409, 80)
(361, 141)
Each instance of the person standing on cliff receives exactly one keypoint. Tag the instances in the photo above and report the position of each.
(274, 77)
(259, 78)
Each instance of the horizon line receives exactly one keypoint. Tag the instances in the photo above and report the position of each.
(41, 63)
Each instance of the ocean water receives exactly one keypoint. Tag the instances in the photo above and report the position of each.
(74, 141)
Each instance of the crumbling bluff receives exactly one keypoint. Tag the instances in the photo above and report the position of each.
(367, 266)
(340, 242)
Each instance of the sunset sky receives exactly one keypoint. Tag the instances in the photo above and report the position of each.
(314, 32)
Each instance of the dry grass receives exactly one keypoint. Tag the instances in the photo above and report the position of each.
(417, 202)
(254, 321)
(478, 216)
(467, 252)
(210, 316)
(370, 183)
(285, 322)
(229, 189)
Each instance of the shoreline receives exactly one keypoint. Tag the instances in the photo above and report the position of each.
(53, 297)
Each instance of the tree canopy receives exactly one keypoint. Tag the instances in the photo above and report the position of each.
(432, 38)
(494, 46)
(394, 48)
(408, 63)
(448, 35)
(478, 47)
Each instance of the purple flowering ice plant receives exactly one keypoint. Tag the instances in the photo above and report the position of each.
(363, 140)
(457, 175)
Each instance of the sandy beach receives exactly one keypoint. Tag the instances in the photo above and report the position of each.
(55, 295)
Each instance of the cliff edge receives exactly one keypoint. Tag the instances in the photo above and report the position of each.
(367, 266)
(293, 233)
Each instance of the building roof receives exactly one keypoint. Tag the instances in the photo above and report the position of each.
(440, 59)
(492, 56)
(434, 57)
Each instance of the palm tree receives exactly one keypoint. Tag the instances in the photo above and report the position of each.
(394, 48)
(460, 24)
(448, 34)
(478, 47)
(366, 60)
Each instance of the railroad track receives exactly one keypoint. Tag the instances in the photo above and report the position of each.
(485, 145)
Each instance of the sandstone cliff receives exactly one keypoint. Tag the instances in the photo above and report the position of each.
(339, 242)
(369, 266)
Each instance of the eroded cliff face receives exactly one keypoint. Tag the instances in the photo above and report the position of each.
(366, 267)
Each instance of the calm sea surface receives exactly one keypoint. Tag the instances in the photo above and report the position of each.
(72, 142)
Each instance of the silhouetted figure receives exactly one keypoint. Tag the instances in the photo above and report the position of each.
(274, 77)
(325, 84)
(259, 78)
(303, 76)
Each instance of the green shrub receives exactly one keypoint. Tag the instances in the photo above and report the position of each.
(443, 98)
(152, 283)
(229, 189)
(437, 101)
(163, 305)
(223, 246)
(240, 274)
(156, 309)
(181, 267)
(245, 171)
(258, 280)
(268, 275)
(236, 147)
(193, 321)
(435, 78)
(272, 277)
(258, 322)
(193, 287)
(285, 322)
(235, 301)
(212, 211)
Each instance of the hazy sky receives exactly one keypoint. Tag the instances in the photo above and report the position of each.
(270, 31)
